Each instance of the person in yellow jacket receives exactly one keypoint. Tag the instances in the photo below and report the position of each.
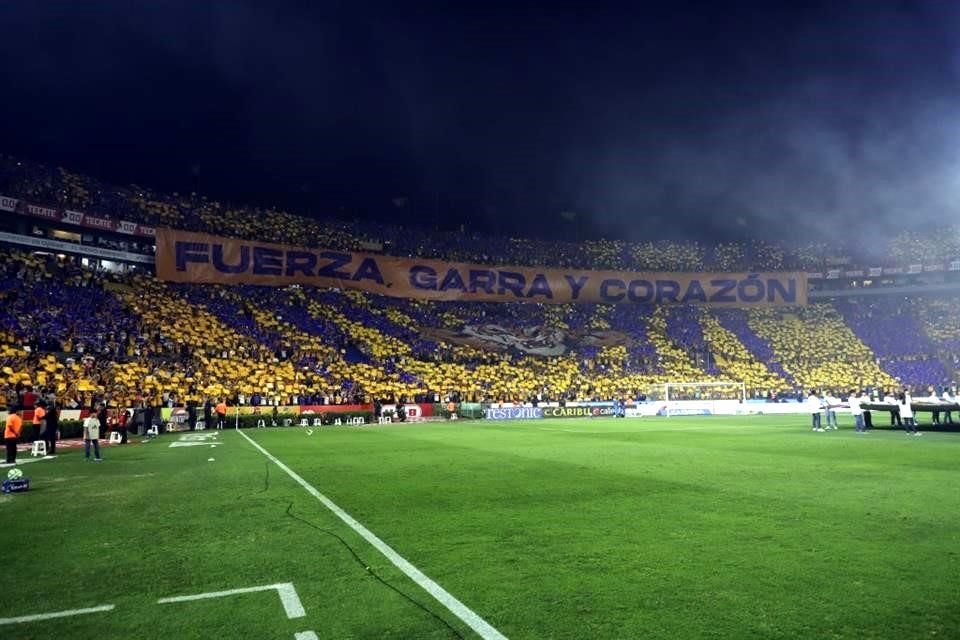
(11, 434)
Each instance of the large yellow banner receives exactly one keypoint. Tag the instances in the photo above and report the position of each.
(194, 257)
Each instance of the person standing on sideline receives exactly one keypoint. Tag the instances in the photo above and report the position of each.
(147, 416)
(123, 424)
(102, 418)
(908, 397)
(135, 423)
(814, 406)
(53, 425)
(91, 436)
(895, 413)
(906, 414)
(948, 412)
(856, 411)
(867, 416)
(208, 413)
(935, 400)
(11, 434)
(830, 403)
(40, 423)
(221, 410)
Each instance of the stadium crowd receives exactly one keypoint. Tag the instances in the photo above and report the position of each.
(131, 339)
(61, 188)
(128, 339)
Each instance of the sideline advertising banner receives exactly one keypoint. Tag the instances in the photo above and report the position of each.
(296, 409)
(412, 411)
(601, 410)
(201, 258)
(514, 413)
(333, 408)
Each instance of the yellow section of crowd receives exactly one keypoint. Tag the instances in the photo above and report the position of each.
(669, 256)
(158, 212)
(912, 247)
(818, 349)
(672, 358)
(370, 341)
(301, 343)
(75, 192)
(940, 319)
(812, 344)
(277, 226)
(223, 360)
(734, 360)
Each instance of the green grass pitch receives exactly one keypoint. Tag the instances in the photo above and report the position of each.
(707, 527)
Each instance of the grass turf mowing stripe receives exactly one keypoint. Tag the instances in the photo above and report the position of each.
(441, 595)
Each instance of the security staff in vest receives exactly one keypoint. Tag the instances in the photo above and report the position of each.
(40, 422)
(11, 433)
(221, 410)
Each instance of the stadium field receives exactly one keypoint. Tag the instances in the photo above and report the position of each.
(639, 528)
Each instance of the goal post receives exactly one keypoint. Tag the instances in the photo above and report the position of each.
(701, 391)
(697, 398)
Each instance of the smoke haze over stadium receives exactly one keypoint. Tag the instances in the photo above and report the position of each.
(698, 120)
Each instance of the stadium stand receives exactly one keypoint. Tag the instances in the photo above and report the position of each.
(122, 335)
(818, 350)
(940, 320)
(892, 332)
(736, 362)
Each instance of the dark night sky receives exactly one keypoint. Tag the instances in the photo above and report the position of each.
(672, 119)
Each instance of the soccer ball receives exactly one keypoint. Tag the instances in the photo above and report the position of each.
(15, 474)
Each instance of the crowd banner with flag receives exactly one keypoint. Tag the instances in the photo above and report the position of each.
(200, 258)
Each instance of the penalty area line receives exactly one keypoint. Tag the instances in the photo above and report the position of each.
(57, 614)
(288, 597)
(441, 595)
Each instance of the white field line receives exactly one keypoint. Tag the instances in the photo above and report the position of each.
(24, 461)
(306, 635)
(58, 614)
(650, 429)
(288, 597)
(291, 601)
(441, 595)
